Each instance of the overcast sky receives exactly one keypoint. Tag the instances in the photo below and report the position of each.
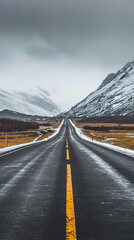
(65, 46)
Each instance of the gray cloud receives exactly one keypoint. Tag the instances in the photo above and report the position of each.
(70, 27)
(42, 53)
(97, 34)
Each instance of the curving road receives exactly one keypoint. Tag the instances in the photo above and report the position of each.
(66, 188)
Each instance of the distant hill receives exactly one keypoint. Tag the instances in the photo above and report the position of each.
(20, 116)
(114, 97)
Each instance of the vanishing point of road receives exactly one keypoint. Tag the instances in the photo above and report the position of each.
(66, 189)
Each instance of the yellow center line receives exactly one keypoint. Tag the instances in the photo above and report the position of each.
(67, 151)
(70, 214)
(67, 154)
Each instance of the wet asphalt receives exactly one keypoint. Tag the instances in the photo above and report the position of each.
(33, 191)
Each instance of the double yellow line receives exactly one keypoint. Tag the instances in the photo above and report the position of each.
(70, 214)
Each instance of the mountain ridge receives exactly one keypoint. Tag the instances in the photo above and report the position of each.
(114, 97)
(8, 114)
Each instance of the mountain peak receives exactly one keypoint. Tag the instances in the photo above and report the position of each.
(32, 101)
(114, 97)
(108, 79)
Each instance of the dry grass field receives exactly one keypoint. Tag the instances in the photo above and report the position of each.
(81, 125)
(48, 124)
(46, 135)
(121, 138)
(15, 138)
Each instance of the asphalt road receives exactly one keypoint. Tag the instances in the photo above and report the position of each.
(66, 188)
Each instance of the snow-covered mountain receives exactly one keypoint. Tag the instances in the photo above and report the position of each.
(36, 102)
(114, 97)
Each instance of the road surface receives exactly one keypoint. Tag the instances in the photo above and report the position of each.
(66, 188)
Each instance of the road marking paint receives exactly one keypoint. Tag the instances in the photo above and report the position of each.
(66, 144)
(67, 154)
(70, 214)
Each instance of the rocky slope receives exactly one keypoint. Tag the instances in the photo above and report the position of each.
(114, 97)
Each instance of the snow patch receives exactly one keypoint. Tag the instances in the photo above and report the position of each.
(40, 135)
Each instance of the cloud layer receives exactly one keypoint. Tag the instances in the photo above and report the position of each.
(65, 35)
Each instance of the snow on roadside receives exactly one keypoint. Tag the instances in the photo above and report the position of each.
(15, 147)
(125, 151)
(40, 135)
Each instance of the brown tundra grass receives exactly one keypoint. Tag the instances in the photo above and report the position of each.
(15, 138)
(121, 138)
